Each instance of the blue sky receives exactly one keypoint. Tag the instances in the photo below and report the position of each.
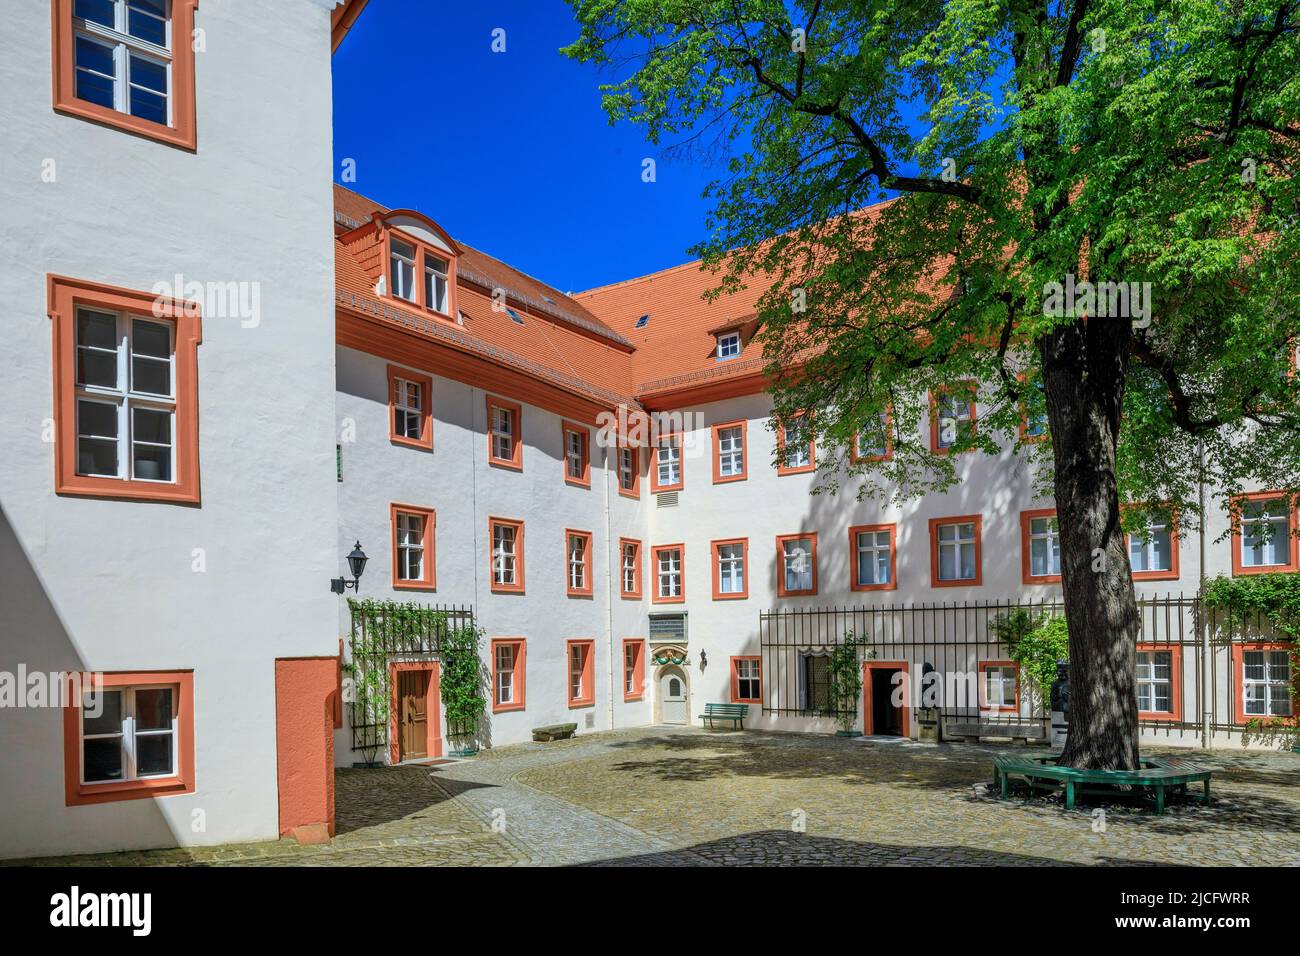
(510, 152)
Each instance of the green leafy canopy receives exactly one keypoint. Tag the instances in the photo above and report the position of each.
(1136, 141)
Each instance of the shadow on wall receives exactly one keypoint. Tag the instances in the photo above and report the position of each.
(35, 817)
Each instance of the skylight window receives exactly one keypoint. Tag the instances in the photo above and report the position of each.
(642, 322)
(515, 315)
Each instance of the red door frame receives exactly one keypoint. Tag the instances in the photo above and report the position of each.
(432, 697)
(868, 719)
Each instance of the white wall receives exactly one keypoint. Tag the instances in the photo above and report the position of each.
(456, 481)
(108, 585)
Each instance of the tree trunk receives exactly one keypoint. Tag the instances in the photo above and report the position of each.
(1083, 374)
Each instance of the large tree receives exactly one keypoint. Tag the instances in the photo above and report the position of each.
(1024, 147)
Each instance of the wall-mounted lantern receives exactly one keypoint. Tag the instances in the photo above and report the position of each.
(356, 564)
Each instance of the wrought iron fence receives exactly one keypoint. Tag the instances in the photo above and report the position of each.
(1195, 654)
(383, 634)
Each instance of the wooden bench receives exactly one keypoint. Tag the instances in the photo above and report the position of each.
(554, 732)
(1156, 774)
(1028, 731)
(736, 713)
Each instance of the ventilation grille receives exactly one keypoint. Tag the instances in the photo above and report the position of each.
(668, 628)
(666, 499)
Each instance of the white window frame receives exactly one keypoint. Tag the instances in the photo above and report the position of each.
(128, 735)
(125, 399)
(731, 451)
(575, 443)
(505, 557)
(875, 451)
(731, 568)
(1143, 543)
(1277, 545)
(577, 671)
(123, 46)
(669, 460)
(728, 346)
(668, 572)
(410, 546)
(436, 288)
(406, 413)
(1045, 532)
(957, 544)
(806, 553)
(1275, 691)
(954, 409)
(877, 545)
(402, 268)
(629, 669)
(505, 673)
(627, 468)
(1001, 677)
(630, 553)
(578, 562)
(502, 434)
(796, 444)
(749, 671)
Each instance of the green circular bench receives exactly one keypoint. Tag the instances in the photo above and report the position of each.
(1156, 774)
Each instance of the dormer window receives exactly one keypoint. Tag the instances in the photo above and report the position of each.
(402, 267)
(435, 283)
(728, 345)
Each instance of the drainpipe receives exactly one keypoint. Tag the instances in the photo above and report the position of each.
(1207, 694)
(615, 666)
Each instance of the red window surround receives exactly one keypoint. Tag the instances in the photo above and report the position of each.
(856, 457)
(985, 703)
(181, 130)
(635, 490)
(585, 538)
(518, 586)
(715, 548)
(718, 477)
(854, 582)
(519, 673)
(78, 794)
(736, 698)
(1175, 682)
(1293, 562)
(655, 597)
(781, 539)
(655, 486)
(65, 296)
(781, 467)
(1173, 573)
(1239, 677)
(586, 696)
(567, 429)
(428, 580)
(636, 647)
(425, 441)
(976, 581)
(635, 594)
(971, 423)
(1026, 564)
(516, 457)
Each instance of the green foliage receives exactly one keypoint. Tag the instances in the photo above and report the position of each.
(1142, 141)
(845, 674)
(1036, 645)
(462, 681)
(1274, 596)
(388, 629)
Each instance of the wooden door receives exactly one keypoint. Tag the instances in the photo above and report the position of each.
(413, 713)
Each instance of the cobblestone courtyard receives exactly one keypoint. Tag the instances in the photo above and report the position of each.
(688, 797)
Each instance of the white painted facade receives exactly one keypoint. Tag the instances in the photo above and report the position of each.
(114, 585)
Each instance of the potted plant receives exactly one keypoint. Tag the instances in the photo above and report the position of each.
(845, 675)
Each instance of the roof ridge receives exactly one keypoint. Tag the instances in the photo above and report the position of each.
(644, 278)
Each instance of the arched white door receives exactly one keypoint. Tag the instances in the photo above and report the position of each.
(674, 707)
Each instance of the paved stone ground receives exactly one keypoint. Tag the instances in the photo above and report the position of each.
(658, 796)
